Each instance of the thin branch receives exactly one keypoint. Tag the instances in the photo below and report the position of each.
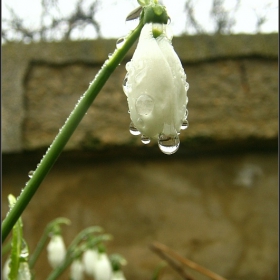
(165, 250)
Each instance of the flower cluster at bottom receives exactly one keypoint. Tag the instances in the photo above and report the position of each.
(156, 89)
(94, 262)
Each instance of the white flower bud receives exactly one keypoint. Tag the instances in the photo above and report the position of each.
(77, 270)
(103, 269)
(156, 88)
(56, 251)
(89, 260)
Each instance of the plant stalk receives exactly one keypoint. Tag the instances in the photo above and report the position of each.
(67, 130)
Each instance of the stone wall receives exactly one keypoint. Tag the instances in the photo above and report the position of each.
(215, 201)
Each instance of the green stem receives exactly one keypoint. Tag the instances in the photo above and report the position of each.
(67, 130)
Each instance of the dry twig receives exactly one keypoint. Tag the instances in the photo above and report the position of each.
(163, 251)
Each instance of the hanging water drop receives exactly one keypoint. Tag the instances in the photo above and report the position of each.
(133, 130)
(185, 124)
(132, 24)
(168, 20)
(145, 140)
(30, 173)
(24, 251)
(168, 144)
(120, 42)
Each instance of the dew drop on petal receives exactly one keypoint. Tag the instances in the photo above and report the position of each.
(187, 86)
(133, 130)
(187, 100)
(168, 144)
(144, 105)
(145, 139)
(120, 42)
(185, 124)
(30, 173)
(125, 87)
(186, 113)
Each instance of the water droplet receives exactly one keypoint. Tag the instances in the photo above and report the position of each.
(144, 104)
(187, 100)
(132, 24)
(186, 113)
(187, 86)
(145, 139)
(168, 144)
(120, 42)
(128, 66)
(133, 130)
(24, 251)
(169, 20)
(125, 87)
(185, 124)
(110, 55)
(30, 173)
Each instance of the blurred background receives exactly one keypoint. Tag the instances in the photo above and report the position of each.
(215, 201)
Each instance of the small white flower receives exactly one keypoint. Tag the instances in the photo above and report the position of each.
(6, 269)
(56, 251)
(77, 270)
(103, 269)
(118, 275)
(89, 259)
(156, 89)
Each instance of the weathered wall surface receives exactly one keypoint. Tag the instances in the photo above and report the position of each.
(233, 92)
(215, 201)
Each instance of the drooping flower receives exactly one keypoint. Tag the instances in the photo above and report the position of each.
(56, 250)
(89, 260)
(102, 269)
(156, 89)
(77, 270)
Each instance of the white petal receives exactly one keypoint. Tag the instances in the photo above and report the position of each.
(89, 260)
(179, 81)
(103, 270)
(151, 84)
(156, 92)
(76, 270)
(56, 251)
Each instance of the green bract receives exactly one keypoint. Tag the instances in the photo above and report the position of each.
(155, 13)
